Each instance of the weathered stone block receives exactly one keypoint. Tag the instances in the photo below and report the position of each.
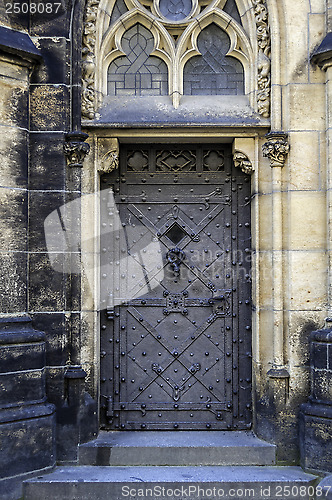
(47, 288)
(13, 21)
(52, 25)
(56, 62)
(307, 113)
(22, 386)
(26, 421)
(13, 102)
(27, 439)
(306, 220)
(304, 160)
(41, 205)
(22, 357)
(56, 338)
(47, 161)
(320, 355)
(13, 221)
(315, 437)
(307, 273)
(49, 107)
(13, 157)
(13, 277)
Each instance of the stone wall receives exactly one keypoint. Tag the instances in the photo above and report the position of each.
(36, 76)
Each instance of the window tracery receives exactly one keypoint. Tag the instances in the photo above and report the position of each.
(213, 73)
(183, 44)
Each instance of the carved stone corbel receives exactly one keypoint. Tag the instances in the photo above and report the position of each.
(75, 149)
(108, 155)
(242, 161)
(244, 154)
(276, 148)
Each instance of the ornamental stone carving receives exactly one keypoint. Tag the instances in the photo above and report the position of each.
(109, 162)
(264, 57)
(242, 161)
(108, 155)
(276, 148)
(88, 59)
(75, 149)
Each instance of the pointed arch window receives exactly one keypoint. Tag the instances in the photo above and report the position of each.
(137, 73)
(213, 72)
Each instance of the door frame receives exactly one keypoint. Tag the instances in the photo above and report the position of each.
(246, 141)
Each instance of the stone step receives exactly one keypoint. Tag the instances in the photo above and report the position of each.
(177, 448)
(172, 483)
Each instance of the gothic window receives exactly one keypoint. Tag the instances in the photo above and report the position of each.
(213, 73)
(172, 48)
(137, 73)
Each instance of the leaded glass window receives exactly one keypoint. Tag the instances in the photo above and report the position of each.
(138, 73)
(213, 73)
(175, 10)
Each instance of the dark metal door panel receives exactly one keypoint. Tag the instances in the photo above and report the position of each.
(176, 329)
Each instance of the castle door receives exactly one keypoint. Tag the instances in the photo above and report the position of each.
(175, 282)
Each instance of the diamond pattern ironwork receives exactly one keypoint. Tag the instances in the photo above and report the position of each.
(175, 233)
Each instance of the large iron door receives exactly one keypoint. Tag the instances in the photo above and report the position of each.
(176, 328)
